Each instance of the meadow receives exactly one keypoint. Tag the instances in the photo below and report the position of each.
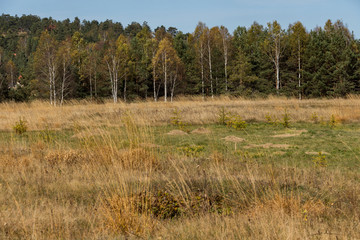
(222, 168)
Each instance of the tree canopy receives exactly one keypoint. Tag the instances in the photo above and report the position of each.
(42, 58)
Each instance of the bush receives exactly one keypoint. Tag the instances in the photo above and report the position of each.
(286, 120)
(192, 151)
(333, 122)
(176, 119)
(223, 116)
(20, 127)
(320, 160)
(231, 120)
(236, 122)
(315, 118)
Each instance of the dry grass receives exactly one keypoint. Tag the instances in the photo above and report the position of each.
(108, 179)
(41, 115)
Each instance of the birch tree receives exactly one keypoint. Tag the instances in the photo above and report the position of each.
(226, 38)
(45, 62)
(274, 47)
(90, 67)
(151, 49)
(209, 40)
(167, 63)
(298, 39)
(64, 62)
(10, 73)
(116, 59)
(200, 45)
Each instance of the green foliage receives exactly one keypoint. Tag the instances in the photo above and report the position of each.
(223, 116)
(236, 122)
(320, 160)
(330, 59)
(20, 126)
(191, 150)
(315, 118)
(286, 119)
(271, 119)
(164, 205)
(333, 122)
(230, 119)
(176, 119)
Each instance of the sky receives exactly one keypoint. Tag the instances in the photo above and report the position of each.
(185, 14)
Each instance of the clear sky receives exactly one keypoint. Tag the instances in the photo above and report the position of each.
(185, 14)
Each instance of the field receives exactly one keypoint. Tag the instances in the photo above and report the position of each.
(215, 169)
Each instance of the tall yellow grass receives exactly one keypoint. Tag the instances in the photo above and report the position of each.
(110, 181)
(41, 115)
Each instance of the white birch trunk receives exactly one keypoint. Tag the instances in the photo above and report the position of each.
(202, 70)
(63, 83)
(277, 64)
(165, 76)
(210, 70)
(225, 61)
(173, 87)
(299, 68)
(154, 85)
(125, 80)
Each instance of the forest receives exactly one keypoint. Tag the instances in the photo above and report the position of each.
(43, 58)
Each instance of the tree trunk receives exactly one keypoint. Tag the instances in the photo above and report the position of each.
(277, 77)
(202, 71)
(173, 88)
(95, 88)
(116, 86)
(299, 65)
(12, 77)
(54, 86)
(90, 82)
(125, 88)
(165, 81)
(154, 85)
(113, 79)
(277, 65)
(63, 83)
(210, 71)
(225, 62)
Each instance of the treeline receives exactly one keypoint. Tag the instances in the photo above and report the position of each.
(58, 60)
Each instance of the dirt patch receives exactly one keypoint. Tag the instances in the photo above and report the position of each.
(177, 132)
(293, 133)
(317, 153)
(268, 145)
(201, 131)
(233, 139)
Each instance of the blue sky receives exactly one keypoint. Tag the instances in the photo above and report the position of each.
(185, 14)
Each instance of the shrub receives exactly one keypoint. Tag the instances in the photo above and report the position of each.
(271, 119)
(176, 119)
(236, 122)
(286, 120)
(333, 122)
(192, 151)
(320, 160)
(165, 205)
(127, 215)
(223, 116)
(20, 127)
(230, 119)
(315, 118)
